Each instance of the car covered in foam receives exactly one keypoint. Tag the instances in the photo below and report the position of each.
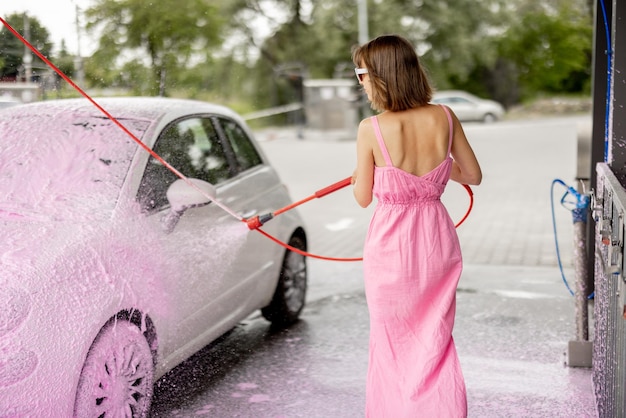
(114, 267)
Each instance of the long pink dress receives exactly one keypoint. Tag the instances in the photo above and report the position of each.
(412, 264)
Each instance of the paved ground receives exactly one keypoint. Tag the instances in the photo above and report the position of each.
(515, 316)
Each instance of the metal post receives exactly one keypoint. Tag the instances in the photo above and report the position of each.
(580, 266)
(600, 72)
(609, 349)
(28, 58)
(363, 25)
(617, 116)
(80, 73)
(580, 350)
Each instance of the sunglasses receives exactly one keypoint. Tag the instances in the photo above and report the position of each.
(359, 73)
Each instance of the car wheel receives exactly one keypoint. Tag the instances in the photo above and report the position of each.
(290, 294)
(489, 118)
(118, 374)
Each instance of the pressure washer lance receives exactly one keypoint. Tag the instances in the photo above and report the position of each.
(258, 221)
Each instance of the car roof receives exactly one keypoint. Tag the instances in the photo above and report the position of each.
(451, 93)
(152, 108)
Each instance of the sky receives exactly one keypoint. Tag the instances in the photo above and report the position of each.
(58, 17)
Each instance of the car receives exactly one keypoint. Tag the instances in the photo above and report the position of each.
(114, 269)
(7, 102)
(468, 107)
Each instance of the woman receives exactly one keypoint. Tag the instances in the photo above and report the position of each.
(412, 258)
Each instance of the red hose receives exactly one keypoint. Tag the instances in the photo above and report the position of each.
(304, 253)
(471, 205)
(320, 193)
(337, 186)
(258, 221)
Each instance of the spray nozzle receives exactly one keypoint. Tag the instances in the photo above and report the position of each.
(258, 221)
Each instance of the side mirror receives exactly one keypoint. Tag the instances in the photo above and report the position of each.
(183, 196)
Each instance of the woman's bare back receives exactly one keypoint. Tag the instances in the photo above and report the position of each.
(417, 139)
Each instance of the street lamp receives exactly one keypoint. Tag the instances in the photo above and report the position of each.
(28, 58)
(363, 26)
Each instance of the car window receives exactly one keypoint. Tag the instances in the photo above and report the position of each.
(245, 152)
(193, 147)
(452, 100)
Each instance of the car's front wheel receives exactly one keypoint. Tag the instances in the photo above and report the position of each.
(118, 374)
(489, 118)
(290, 294)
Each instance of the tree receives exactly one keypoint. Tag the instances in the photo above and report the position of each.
(549, 48)
(12, 49)
(452, 37)
(505, 49)
(65, 61)
(167, 32)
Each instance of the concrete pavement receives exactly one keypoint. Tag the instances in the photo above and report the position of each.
(514, 314)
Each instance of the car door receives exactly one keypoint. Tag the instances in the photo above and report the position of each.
(200, 246)
(255, 190)
(215, 261)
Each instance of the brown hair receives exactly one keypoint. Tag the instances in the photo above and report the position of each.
(398, 80)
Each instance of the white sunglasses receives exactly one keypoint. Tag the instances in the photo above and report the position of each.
(359, 73)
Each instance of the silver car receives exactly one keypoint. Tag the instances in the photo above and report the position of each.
(468, 107)
(113, 269)
(5, 103)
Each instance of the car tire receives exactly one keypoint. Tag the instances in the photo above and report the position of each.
(289, 297)
(489, 118)
(118, 374)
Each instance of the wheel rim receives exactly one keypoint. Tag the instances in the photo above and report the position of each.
(489, 118)
(294, 279)
(117, 376)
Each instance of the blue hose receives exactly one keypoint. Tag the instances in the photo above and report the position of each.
(579, 211)
(579, 214)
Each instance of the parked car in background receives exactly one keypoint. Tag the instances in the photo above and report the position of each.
(7, 102)
(468, 107)
(113, 269)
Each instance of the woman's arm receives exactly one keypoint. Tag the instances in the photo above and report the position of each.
(363, 177)
(465, 168)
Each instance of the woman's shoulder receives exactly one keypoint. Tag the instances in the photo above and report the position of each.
(421, 115)
(422, 111)
(365, 133)
(366, 121)
(365, 126)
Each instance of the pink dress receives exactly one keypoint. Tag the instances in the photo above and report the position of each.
(412, 264)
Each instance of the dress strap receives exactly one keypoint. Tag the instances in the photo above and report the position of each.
(450, 128)
(381, 143)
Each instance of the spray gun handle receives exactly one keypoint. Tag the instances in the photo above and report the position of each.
(333, 187)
